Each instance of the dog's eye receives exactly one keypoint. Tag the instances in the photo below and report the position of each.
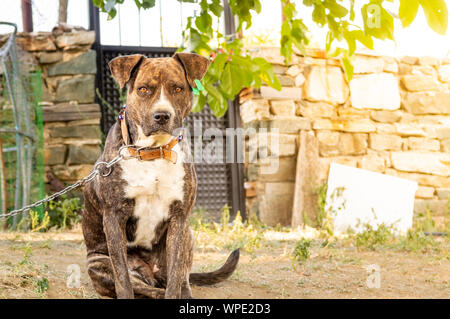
(178, 89)
(143, 90)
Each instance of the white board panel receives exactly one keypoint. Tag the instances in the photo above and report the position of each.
(356, 197)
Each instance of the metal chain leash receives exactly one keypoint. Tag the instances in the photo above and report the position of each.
(96, 170)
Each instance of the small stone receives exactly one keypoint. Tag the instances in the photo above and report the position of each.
(326, 84)
(54, 154)
(81, 89)
(299, 80)
(352, 113)
(289, 124)
(423, 144)
(286, 81)
(75, 38)
(421, 162)
(415, 83)
(282, 107)
(422, 179)
(294, 71)
(50, 57)
(83, 64)
(328, 143)
(427, 103)
(425, 192)
(409, 60)
(352, 144)
(444, 73)
(428, 60)
(443, 193)
(423, 70)
(85, 131)
(272, 144)
(315, 109)
(278, 169)
(83, 154)
(390, 65)
(367, 64)
(446, 145)
(407, 129)
(372, 163)
(385, 116)
(255, 109)
(30, 42)
(71, 173)
(375, 91)
(289, 93)
(384, 142)
(386, 129)
(353, 126)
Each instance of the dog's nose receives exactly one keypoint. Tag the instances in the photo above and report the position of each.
(161, 117)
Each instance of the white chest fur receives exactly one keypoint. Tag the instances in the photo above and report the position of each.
(154, 185)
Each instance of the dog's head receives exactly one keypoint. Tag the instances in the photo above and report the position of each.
(159, 90)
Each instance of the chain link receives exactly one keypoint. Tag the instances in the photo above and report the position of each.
(96, 170)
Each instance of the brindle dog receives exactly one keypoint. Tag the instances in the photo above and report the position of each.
(135, 223)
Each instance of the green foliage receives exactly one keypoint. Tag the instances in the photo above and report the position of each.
(65, 213)
(226, 234)
(61, 214)
(301, 251)
(232, 69)
(416, 241)
(372, 238)
(41, 285)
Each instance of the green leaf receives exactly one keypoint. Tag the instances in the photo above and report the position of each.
(351, 42)
(336, 9)
(366, 40)
(204, 22)
(216, 8)
(226, 82)
(408, 11)
(318, 15)
(436, 13)
(199, 103)
(348, 67)
(111, 14)
(216, 101)
(147, 4)
(216, 68)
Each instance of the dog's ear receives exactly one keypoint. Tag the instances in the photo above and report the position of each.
(195, 66)
(122, 67)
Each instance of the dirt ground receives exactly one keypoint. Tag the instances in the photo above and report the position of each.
(268, 272)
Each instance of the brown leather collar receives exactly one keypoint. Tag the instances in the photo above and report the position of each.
(148, 153)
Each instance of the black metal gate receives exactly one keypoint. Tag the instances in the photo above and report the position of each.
(218, 184)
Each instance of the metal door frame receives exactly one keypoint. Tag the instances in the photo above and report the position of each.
(233, 116)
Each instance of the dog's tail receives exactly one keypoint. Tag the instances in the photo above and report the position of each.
(214, 277)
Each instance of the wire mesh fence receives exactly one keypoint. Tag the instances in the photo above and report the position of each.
(21, 132)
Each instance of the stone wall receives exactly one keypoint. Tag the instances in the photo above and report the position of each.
(72, 135)
(392, 118)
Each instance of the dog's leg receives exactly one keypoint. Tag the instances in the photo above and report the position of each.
(177, 246)
(186, 292)
(101, 273)
(142, 289)
(116, 241)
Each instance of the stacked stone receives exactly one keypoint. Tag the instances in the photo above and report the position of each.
(393, 118)
(72, 135)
